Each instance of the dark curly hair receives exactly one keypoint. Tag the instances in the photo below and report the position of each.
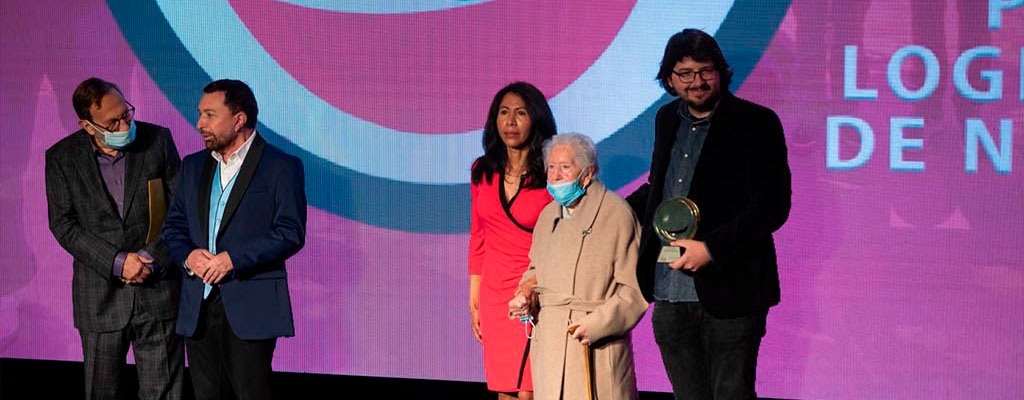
(695, 44)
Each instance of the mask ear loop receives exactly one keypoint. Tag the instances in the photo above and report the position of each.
(102, 131)
(528, 325)
(579, 180)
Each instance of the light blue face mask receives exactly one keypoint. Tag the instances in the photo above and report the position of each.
(566, 193)
(119, 140)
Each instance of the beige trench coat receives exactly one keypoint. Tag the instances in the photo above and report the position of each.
(586, 271)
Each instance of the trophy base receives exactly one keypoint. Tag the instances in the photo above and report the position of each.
(669, 254)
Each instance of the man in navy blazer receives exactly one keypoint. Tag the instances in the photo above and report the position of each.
(238, 213)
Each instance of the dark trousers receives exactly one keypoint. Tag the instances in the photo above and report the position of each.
(221, 362)
(708, 358)
(159, 358)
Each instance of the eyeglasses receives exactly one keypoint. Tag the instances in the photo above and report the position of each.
(127, 118)
(706, 74)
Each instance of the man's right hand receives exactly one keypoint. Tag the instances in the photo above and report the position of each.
(198, 261)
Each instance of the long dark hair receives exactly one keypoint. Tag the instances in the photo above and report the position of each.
(542, 127)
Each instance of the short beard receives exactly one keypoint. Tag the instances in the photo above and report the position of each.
(217, 144)
(706, 105)
(214, 145)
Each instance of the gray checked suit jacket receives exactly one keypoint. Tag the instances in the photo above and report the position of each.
(85, 221)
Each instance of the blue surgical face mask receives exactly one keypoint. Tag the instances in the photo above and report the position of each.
(566, 193)
(121, 139)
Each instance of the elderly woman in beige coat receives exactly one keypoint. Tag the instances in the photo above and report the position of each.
(582, 277)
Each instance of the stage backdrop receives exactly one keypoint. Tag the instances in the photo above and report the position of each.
(901, 263)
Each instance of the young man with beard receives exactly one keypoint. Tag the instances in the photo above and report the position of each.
(728, 156)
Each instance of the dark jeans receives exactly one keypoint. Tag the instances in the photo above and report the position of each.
(221, 362)
(706, 357)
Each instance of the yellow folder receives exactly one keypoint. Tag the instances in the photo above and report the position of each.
(157, 208)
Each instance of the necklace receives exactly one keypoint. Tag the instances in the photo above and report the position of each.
(514, 175)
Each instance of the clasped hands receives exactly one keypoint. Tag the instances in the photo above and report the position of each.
(136, 268)
(208, 267)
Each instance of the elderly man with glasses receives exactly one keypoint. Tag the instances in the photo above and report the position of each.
(107, 185)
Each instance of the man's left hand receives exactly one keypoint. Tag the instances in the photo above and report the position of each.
(695, 256)
(220, 266)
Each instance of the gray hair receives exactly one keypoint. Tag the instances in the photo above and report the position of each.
(583, 148)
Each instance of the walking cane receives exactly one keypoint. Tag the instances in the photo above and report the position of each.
(586, 363)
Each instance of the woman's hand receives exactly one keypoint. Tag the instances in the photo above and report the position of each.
(522, 304)
(579, 332)
(519, 306)
(474, 306)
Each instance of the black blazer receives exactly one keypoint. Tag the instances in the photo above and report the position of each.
(742, 186)
(85, 221)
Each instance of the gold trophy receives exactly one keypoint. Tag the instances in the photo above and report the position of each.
(674, 219)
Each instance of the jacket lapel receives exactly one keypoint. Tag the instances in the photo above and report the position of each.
(205, 180)
(721, 124)
(665, 138)
(582, 222)
(85, 157)
(586, 213)
(134, 160)
(245, 175)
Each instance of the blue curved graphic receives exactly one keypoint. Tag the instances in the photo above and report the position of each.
(358, 144)
(383, 7)
(418, 206)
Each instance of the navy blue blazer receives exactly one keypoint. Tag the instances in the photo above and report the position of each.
(264, 224)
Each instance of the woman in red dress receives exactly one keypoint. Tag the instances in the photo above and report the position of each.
(509, 190)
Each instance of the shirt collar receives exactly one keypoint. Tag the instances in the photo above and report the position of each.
(238, 154)
(684, 113)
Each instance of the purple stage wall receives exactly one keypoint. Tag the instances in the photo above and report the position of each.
(901, 263)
